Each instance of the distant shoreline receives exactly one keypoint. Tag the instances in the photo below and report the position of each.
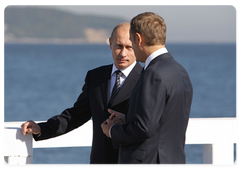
(27, 40)
(75, 41)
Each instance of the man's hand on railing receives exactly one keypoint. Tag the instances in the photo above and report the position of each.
(30, 127)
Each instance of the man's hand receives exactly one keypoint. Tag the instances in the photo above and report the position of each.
(30, 127)
(106, 125)
(117, 117)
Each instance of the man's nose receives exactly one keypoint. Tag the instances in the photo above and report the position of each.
(123, 52)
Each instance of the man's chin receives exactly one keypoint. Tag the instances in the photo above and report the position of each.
(122, 66)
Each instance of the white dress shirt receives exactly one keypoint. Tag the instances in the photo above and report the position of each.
(125, 72)
(154, 55)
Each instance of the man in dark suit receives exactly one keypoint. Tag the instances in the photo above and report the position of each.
(96, 98)
(159, 108)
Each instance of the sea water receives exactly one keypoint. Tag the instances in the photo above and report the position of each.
(42, 80)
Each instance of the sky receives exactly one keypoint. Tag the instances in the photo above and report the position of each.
(186, 22)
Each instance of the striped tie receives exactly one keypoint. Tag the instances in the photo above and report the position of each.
(116, 87)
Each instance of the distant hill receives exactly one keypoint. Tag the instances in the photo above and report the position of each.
(46, 25)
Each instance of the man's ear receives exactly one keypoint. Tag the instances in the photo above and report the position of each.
(110, 42)
(139, 38)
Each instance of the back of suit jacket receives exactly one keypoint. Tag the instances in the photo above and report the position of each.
(93, 103)
(158, 115)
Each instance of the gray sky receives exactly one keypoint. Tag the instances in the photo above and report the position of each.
(195, 22)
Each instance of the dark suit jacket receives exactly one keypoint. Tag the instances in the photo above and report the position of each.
(93, 102)
(158, 115)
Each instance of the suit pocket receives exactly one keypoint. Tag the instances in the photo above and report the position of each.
(138, 155)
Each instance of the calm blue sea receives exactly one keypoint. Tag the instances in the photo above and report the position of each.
(42, 80)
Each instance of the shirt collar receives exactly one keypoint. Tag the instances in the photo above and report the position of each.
(125, 71)
(154, 55)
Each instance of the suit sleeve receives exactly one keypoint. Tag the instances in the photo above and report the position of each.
(145, 110)
(69, 119)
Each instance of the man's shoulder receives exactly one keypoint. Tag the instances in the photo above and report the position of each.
(101, 69)
(138, 68)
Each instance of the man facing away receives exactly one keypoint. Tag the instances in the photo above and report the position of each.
(96, 98)
(159, 108)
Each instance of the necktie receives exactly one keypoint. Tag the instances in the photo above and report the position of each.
(116, 87)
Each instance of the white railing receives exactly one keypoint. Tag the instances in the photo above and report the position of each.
(217, 135)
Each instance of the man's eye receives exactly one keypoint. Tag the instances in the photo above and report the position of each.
(129, 47)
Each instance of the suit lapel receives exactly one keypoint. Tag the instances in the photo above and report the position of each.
(105, 87)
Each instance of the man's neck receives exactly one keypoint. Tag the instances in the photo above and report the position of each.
(150, 49)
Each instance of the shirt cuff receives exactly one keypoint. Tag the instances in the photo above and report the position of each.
(37, 135)
(110, 131)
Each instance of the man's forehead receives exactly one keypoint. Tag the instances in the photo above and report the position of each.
(125, 41)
